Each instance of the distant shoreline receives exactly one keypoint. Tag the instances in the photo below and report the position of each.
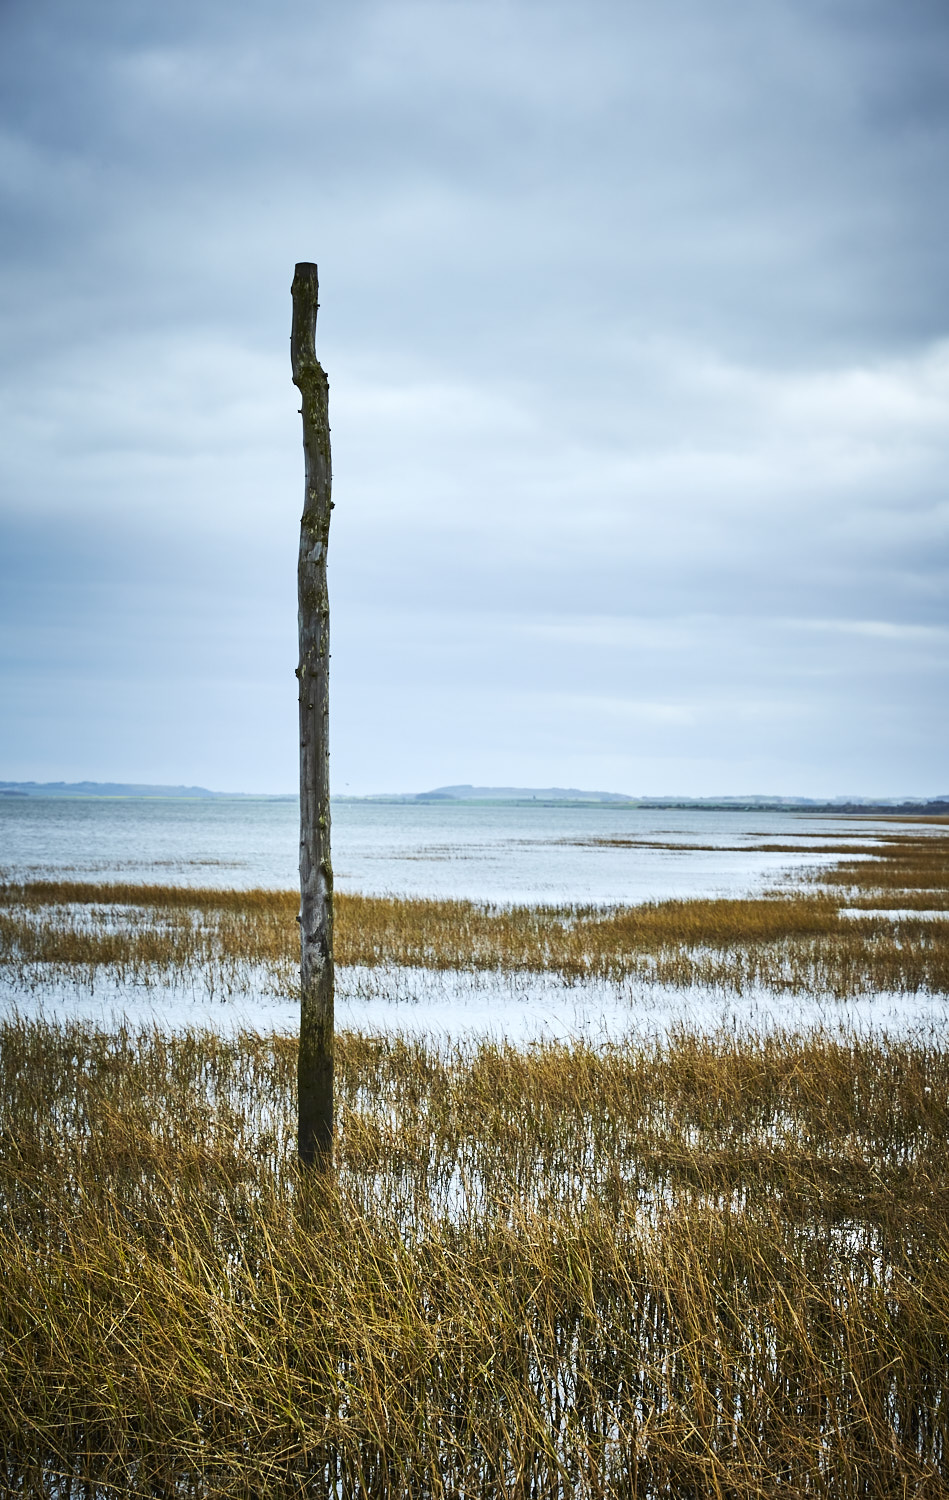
(488, 797)
(116, 791)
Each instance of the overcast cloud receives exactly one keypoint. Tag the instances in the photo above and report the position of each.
(636, 319)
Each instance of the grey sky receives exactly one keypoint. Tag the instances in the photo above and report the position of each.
(636, 319)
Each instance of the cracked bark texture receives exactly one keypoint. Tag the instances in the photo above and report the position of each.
(315, 1068)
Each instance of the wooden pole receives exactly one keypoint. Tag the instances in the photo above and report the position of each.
(315, 1068)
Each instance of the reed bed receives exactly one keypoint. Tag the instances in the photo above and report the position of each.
(230, 942)
(914, 869)
(703, 1266)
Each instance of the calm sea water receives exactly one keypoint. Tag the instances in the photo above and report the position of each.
(497, 853)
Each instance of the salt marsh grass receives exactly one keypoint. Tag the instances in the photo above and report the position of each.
(696, 1265)
(917, 869)
(789, 942)
(705, 1266)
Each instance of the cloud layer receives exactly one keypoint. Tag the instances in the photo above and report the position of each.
(637, 326)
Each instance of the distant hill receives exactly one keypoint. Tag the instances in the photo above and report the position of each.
(110, 789)
(469, 793)
(518, 794)
(573, 795)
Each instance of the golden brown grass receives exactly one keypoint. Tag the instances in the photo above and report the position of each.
(693, 1268)
(682, 1268)
(229, 941)
(936, 819)
(681, 847)
(913, 870)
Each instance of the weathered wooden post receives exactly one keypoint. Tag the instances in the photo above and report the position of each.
(315, 1067)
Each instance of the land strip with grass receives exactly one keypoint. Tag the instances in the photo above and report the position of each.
(802, 940)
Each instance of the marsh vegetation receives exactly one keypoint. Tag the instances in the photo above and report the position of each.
(694, 1265)
(698, 1267)
(800, 941)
